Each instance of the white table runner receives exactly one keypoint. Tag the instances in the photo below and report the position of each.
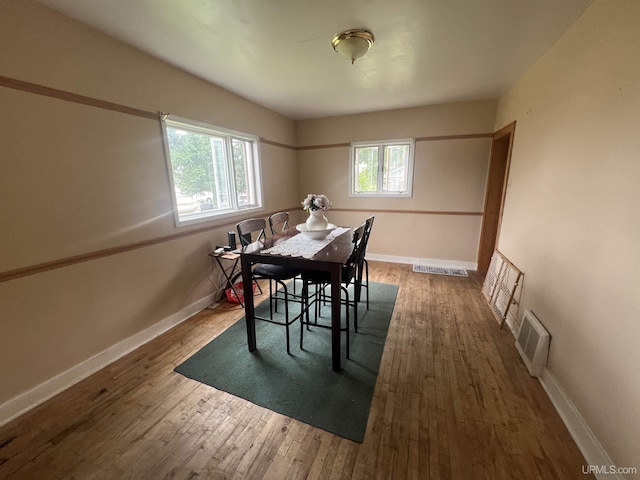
(303, 246)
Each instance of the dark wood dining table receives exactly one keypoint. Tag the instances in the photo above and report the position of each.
(329, 259)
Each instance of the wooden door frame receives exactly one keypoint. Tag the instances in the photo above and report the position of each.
(490, 230)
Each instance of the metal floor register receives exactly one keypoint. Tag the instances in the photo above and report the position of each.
(456, 272)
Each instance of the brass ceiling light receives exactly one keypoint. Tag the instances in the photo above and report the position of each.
(352, 44)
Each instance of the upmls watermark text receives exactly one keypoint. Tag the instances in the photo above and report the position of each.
(608, 470)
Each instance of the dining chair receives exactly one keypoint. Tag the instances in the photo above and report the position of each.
(321, 280)
(279, 222)
(277, 274)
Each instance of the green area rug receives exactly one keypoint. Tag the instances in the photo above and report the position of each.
(302, 385)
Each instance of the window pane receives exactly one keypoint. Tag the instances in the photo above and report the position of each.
(213, 173)
(191, 158)
(366, 169)
(220, 175)
(243, 166)
(395, 168)
(382, 169)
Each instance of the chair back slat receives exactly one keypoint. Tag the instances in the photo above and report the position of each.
(362, 244)
(357, 255)
(368, 227)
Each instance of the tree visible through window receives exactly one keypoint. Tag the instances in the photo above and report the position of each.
(382, 169)
(214, 172)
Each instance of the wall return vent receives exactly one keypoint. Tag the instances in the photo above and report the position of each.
(532, 342)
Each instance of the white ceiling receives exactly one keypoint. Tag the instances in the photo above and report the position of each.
(278, 52)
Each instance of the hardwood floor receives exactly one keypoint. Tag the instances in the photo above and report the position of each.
(453, 400)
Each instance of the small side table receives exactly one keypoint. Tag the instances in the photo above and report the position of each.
(229, 273)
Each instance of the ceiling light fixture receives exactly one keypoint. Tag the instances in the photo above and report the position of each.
(352, 44)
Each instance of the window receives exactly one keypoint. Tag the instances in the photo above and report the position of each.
(214, 172)
(381, 169)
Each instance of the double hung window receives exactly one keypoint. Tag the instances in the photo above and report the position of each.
(382, 169)
(214, 172)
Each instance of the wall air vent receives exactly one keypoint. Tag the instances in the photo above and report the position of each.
(532, 342)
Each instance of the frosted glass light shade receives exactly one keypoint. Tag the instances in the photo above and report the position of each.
(352, 44)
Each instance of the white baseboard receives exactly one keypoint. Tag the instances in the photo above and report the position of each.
(593, 451)
(432, 262)
(24, 402)
(591, 448)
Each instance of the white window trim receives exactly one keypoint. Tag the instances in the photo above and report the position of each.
(382, 143)
(221, 216)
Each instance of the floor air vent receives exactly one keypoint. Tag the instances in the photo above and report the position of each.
(456, 272)
(532, 342)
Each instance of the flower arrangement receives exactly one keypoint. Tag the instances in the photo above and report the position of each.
(316, 202)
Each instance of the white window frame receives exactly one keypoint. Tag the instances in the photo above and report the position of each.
(254, 174)
(381, 144)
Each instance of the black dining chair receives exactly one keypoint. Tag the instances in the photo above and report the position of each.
(279, 222)
(321, 280)
(277, 274)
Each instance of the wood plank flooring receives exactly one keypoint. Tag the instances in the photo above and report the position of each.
(453, 401)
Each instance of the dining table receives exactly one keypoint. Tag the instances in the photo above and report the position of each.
(330, 258)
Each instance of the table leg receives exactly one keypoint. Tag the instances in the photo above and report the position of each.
(336, 274)
(247, 285)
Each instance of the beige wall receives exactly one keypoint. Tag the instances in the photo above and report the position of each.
(571, 219)
(77, 179)
(449, 176)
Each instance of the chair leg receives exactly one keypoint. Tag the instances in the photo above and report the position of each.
(286, 309)
(286, 313)
(366, 274)
(320, 296)
(281, 285)
(307, 309)
(304, 312)
(346, 308)
(270, 301)
(275, 297)
(287, 333)
(355, 309)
